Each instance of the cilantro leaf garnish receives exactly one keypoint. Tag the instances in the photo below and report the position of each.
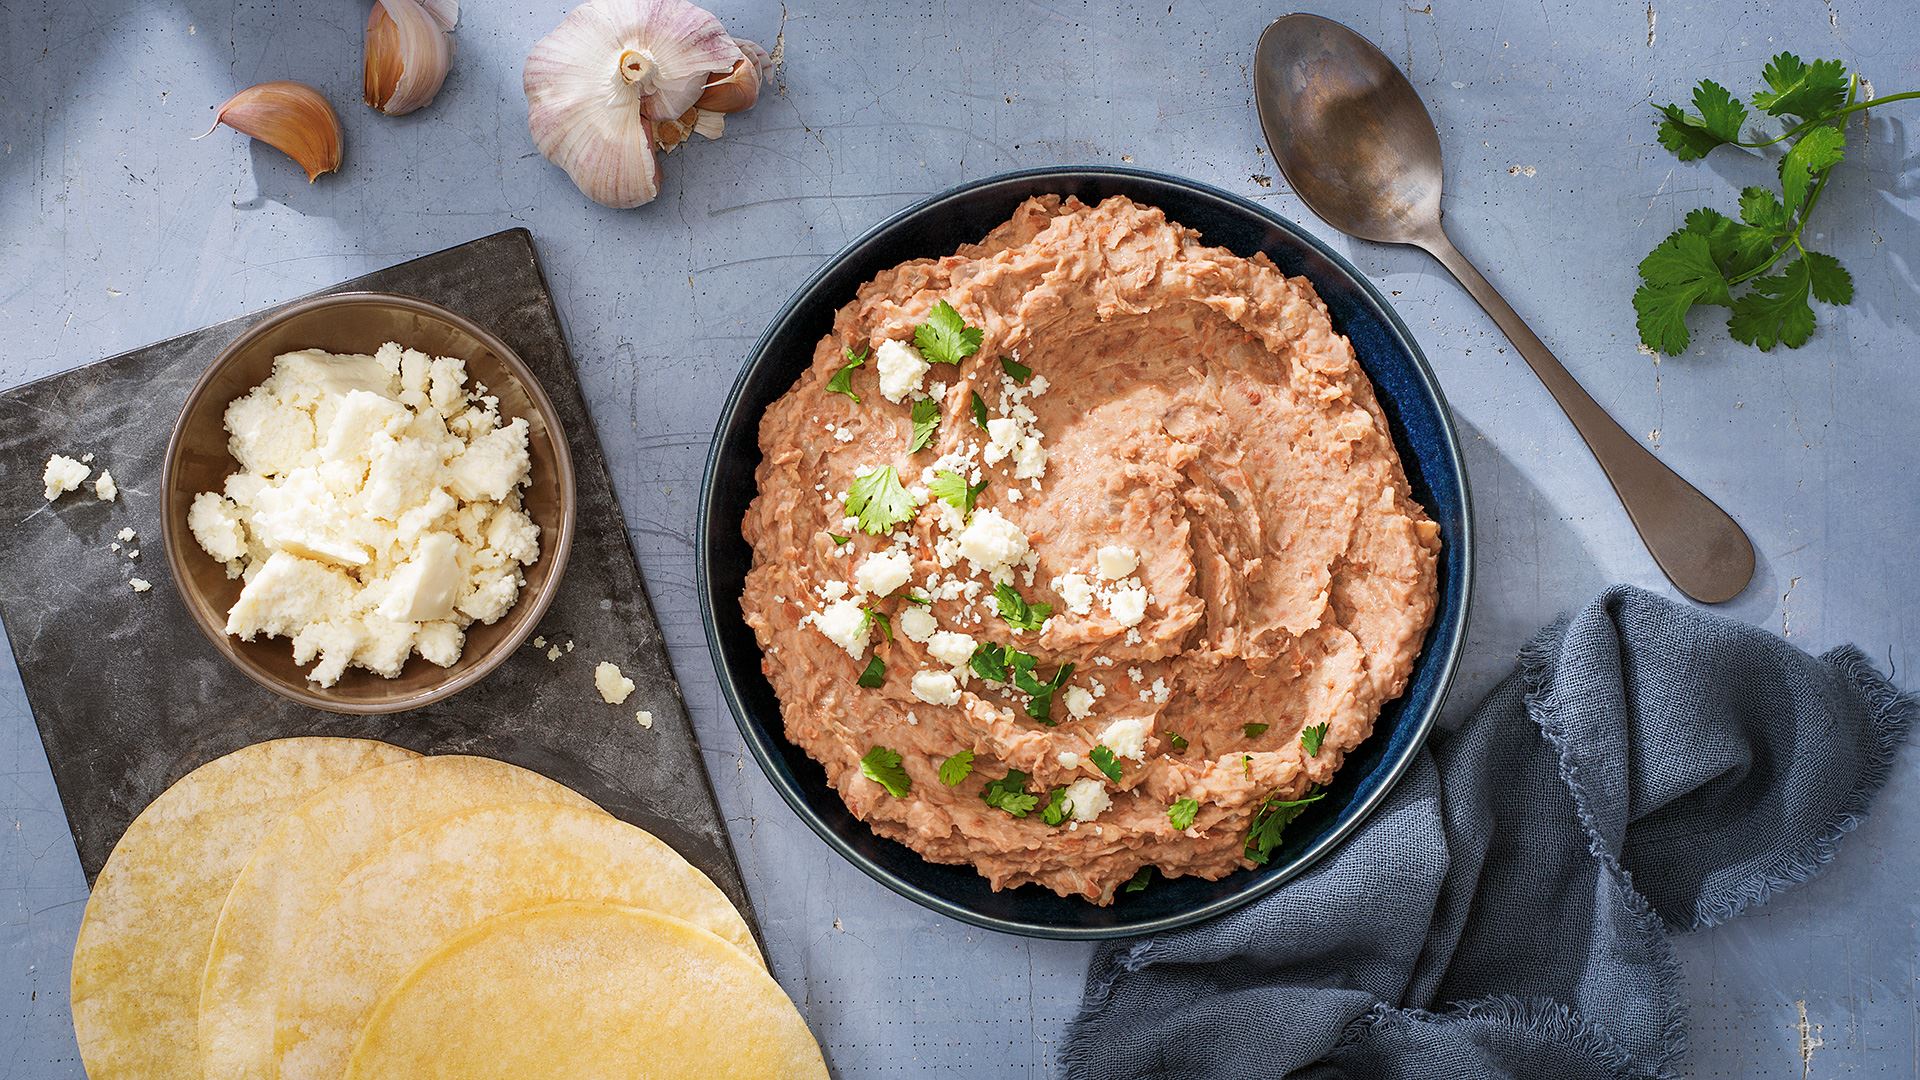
(874, 675)
(1104, 760)
(1252, 731)
(979, 409)
(952, 488)
(945, 338)
(870, 617)
(926, 420)
(1057, 807)
(1139, 880)
(1016, 612)
(1714, 260)
(841, 381)
(1009, 793)
(916, 598)
(882, 766)
(1311, 736)
(1270, 821)
(989, 661)
(1180, 814)
(1006, 664)
(1177, 741)
(879, 501)
(842, 541)
(956, 768)
(1016, 370)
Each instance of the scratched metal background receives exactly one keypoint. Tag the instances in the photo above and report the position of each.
(115, 230)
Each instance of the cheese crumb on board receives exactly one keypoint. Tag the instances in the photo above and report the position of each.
(643, 718)
(126, 535)
(140, 584)
(63, 474)
(104, 488)
(613, 686)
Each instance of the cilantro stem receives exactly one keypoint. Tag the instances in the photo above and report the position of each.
(1801, 128)
(1813, 197)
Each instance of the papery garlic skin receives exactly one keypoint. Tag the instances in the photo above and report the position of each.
(616, 79)
(408, 52)
(291, 117)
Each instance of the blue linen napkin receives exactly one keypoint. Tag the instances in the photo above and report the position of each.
(1649, 767)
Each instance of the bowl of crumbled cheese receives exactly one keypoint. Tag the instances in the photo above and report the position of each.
(368, 502)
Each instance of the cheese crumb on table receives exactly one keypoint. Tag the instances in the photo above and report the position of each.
(126, 535)
(104, 488)
(140, 584)
(613, 686)
(63, 474)
(643, 718)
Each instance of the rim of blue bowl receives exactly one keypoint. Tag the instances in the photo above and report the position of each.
(760, 742)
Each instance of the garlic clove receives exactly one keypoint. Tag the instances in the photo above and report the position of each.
(444, 12)
(736, 90)
(669, 134)
(667, 51)
(291, 117)
(408, 53)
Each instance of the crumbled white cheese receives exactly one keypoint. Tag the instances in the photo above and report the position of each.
(917, 623)
(992, 543)
(140, 584)
(126, 535)
(901, 369)
(1128, 605)
(845, 624)
(613, 686)
(62, 474)
(950, 647)
(553, 654)
(1126, 737)
(1067, 759)
(936, 687)
(883, 571)
(1087, 799)
(104, 488)
(643, 718)
(1079, 702)
(1115, 562)
(1076, 590)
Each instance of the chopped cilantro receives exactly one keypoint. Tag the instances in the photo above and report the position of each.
(879, 501)
(1177, 741)
(875, 673)
(952, 488)
(882, 766)
(916, 598)
(926, 420)
(1139, 881)
(842, 541)
(1254, 731)
(870, 617)
(1016, 370)
(1311, 736)
(1017, 612)
(1104, 760)
(979, 409)
(956, 768)
(989, 661)
(1246, 760)
(1006, 664)
(1180, 814)
(945, 338)
(1009, 793)
(1057, 807)
(1270, 821)
(842, 381)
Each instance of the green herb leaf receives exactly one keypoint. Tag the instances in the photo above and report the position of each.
(1006, 664)
(1254, 731)
(879, 501)
(1270, 821)
(1009, 793)
(1820, 149)
(1104, 760)
(1246, 762)
(875, 674)
(1797, 88)
(1177, 741)
(956, 768)
(1762, 209)
(1138, 881)
(1775, 310)
(1057, 807)
(1016, 612)
(1717, 122)
(945, 338)
(1736, 248)
(1311, 736)
(841, 382)
(1040, 699)
(1016, 370)
(882, 766)
(989, 661)
(1180, 814)
(926, 420)
(1678, 274)
(952, 488)
(840, 540)
(916, 598)
(1829, 280)
(979, 409)
(870, 617)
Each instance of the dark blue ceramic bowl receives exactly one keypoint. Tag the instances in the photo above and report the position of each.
(1422, 428)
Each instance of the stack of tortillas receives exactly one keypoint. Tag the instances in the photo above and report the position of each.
(310, 908)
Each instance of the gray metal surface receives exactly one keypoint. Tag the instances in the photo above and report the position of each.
(115, 231)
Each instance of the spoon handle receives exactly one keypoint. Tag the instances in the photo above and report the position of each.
(1700, 549)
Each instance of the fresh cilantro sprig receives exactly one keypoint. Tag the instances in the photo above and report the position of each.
(956, 768)
(1016, 370)
(1015, 610)
(952, 488)
(1057, 807)
(874, 675)
(1104, 760)
(1711, 256)
(882, 766)
(1180, 814)
(1006, 664)
(879, 501)
(1270, 821)
(1010, 793)
(841, 381)
(1311, 737)
(926, 420)
(945, 338)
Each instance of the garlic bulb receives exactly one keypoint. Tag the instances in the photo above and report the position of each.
(618, 79)
(408, 52)
(291, 117)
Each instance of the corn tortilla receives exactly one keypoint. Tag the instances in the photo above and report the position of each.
(143, 940)
(572, 991)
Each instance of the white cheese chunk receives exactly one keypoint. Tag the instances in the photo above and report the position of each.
(1087, 799)
(644, 718)
(104, 488)
(951, 648)
(1126, 737)
(139, 584)
(917, 623)
(1128, 605)
(1079, 702)
(1115, 562)
(1076, 591)
(215, 523)
(288, 593)
(845, 624)
(357, 419)
(901, 369)
(613, 686)
(493, 464)
(425, 587)
(884, 571)
(992, 543)
(63, 474)
(441, 642)
(1067, 759)
(936, 687)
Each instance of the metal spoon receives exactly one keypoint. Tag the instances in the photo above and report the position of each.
(1357, 145)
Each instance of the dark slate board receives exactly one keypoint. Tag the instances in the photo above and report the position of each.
(129, 696)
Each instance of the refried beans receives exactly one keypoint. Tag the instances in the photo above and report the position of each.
(1153, 573)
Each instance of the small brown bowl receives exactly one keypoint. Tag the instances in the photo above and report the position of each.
(198, 460)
